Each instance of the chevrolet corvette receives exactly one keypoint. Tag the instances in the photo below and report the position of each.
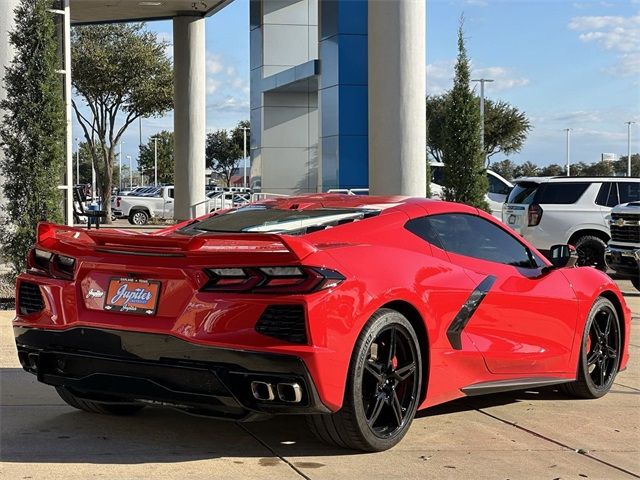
(353, 311)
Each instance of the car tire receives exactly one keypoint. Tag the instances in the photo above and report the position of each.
(591, 252)
(97, 407)
(382, 389)
(138, 217)
(600, 352)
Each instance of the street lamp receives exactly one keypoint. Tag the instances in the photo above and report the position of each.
(568, 130)
(244, 177)
(78, 161)
(629, 123)
(155, 161)
(482, 81)
(120, 169)
(130, 173)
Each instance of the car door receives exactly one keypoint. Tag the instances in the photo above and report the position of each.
(525, 320)
(167, 208)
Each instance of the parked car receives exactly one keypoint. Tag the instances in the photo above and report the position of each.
(355, 311)
(499, 188)
(574, 210)
(623, 252)
(138, 209)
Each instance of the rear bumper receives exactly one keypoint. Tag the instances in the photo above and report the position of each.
(624, 261)
(118, 365)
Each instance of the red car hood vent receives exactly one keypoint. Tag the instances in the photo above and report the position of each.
(123, 241)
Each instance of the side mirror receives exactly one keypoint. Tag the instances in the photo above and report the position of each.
(563, 256)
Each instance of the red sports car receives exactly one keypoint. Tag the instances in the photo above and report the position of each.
(355, 311)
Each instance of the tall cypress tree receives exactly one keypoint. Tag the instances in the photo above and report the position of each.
(32, 131)
(465, 177)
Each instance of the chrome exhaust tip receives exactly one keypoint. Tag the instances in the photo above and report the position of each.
(262, 391)
(289, 392)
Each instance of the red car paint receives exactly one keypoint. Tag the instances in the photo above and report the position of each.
(527, 326)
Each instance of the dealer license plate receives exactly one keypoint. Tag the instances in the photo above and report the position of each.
(132, 295)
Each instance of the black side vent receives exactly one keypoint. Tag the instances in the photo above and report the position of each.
(29, 298)
(285, 322)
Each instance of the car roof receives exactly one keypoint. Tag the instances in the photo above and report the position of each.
(574, 179)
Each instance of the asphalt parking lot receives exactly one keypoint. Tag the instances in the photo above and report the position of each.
(538, 434)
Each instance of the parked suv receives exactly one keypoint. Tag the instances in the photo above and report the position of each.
(499, 187)
(575, 210)
(623, 251)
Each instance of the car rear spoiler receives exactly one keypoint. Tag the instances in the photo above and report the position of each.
(50, 234)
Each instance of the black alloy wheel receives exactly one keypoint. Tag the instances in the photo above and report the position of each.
(389, 383)
(382, 390)
(600, 353)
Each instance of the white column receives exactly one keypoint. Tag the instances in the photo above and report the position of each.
(397, 74)
(7, 23)
(66, 39)
(189, 115)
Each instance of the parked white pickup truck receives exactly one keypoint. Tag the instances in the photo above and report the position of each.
(139, 209)
(623, 252)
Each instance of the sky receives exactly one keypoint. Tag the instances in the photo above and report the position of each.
(566, 64)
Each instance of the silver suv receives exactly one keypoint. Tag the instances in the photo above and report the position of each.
(623, 251)
(574, 210)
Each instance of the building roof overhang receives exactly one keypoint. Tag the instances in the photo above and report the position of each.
(110, 11)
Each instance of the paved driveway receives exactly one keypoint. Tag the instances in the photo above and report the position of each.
(524, 435)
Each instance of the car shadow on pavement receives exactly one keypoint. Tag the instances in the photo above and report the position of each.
(38, 427)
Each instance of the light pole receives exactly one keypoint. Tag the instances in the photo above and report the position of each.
(568, 130)
(482, 81)
(155, 161)
(130, 173)
(629, 123)
(78, 161)
(120, 169)
(244, 177)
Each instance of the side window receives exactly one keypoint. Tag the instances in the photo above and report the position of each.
(437, 175)
(560, 193)
(171, 192)
(422, 228)
(608, 195)
(497, 186)
(629, 191)
(476, 237)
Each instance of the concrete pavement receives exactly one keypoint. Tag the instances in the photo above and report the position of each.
(536, 434)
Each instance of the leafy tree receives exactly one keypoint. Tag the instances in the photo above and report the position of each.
(436, 118)
(505, 168)
(222, 154)
(237, 134)
(505, 127)
(32, 132)
(620, 166)
(146, 162)
(553, 170)
(465, 179)
(527, 169)
(598, 169)
(122, 72)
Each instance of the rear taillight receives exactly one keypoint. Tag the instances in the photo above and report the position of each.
(535, 215)
(118, 199)
(43, 262)
(289, 280)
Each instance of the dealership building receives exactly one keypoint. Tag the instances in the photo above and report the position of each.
(337, 90)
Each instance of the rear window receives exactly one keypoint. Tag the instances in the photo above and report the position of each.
(272, 220)
(523, 192)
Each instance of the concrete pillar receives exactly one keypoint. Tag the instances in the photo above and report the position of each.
(189, 115)
(397, 125)
(7, 23)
